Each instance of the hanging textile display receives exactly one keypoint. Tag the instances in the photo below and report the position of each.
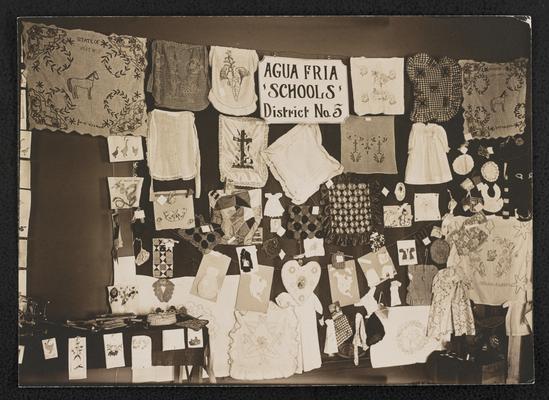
(300, 163)
(179, 76)
(496, 256)
(125, 148)
(172, 147)
(378, 85)
(303, 91)
(114, 350)
(368, 145)
(125, 191)
(233, 84)
(173, 209)
(450, 311)
(78, 361)
(427, 161)
(238, 214)
(254, 290)
(84, 81)
(354, 209)
(123, 298)
(494, 98)
(437, 87)
(405, 341)
(264, 345)
(241, 141)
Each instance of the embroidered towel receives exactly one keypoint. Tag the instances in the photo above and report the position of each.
(494, 98)
(368, 145)
(233, 85)
(179, 76)
(172, 147)
(378, 85)
(241, 141)
(84, 81)
(437, 87)
(300, 163)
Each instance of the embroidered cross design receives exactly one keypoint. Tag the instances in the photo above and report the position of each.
(243, 160)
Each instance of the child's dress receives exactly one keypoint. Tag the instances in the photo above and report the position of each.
(427, 160)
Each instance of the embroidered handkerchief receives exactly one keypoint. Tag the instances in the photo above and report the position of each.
(426, 207)
(494, 98)
(125, 148)
(241, 141)
(173, 210)
(125, 192)
(368, 145)
(437, 87)
(85, 81)
(378, 85)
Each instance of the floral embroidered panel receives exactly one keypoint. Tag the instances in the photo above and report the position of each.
(241, 141)
(437, 87)
(85, 81)
(494, 98)
(378, 85)
(124, 191)
(368, 145)
(496, 256)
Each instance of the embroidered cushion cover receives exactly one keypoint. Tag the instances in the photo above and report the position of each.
(437, 87)
(84, 81)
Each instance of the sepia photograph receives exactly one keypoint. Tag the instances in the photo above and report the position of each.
(275, 200)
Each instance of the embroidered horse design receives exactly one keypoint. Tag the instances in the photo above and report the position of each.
(498, 101)
(84, 83)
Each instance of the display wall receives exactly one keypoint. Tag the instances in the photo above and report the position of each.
(70, 239)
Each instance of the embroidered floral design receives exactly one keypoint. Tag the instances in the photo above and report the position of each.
(122, 54)
(126, 113)
(475, 78)
(122, 294)
(46, 44)
(233, 74)
(51, 107)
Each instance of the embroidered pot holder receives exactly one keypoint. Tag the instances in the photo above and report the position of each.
(437, 87)
(490, 171)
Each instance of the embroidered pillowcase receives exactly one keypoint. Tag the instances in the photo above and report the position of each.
(494, 98)
(378, 85)
(241, 141)
(437, 87)
(300, 163)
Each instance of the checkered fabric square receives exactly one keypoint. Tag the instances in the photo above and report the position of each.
(343, 329)
(163, 258)
(437, 87)
(303, 224)
(203, 241)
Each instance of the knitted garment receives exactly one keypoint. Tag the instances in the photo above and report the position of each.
(354, 210)
(179, 76)
(437, 87)
(494, 98)
(83, 81)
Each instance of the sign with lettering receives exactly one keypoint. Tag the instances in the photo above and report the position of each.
(294, 90)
